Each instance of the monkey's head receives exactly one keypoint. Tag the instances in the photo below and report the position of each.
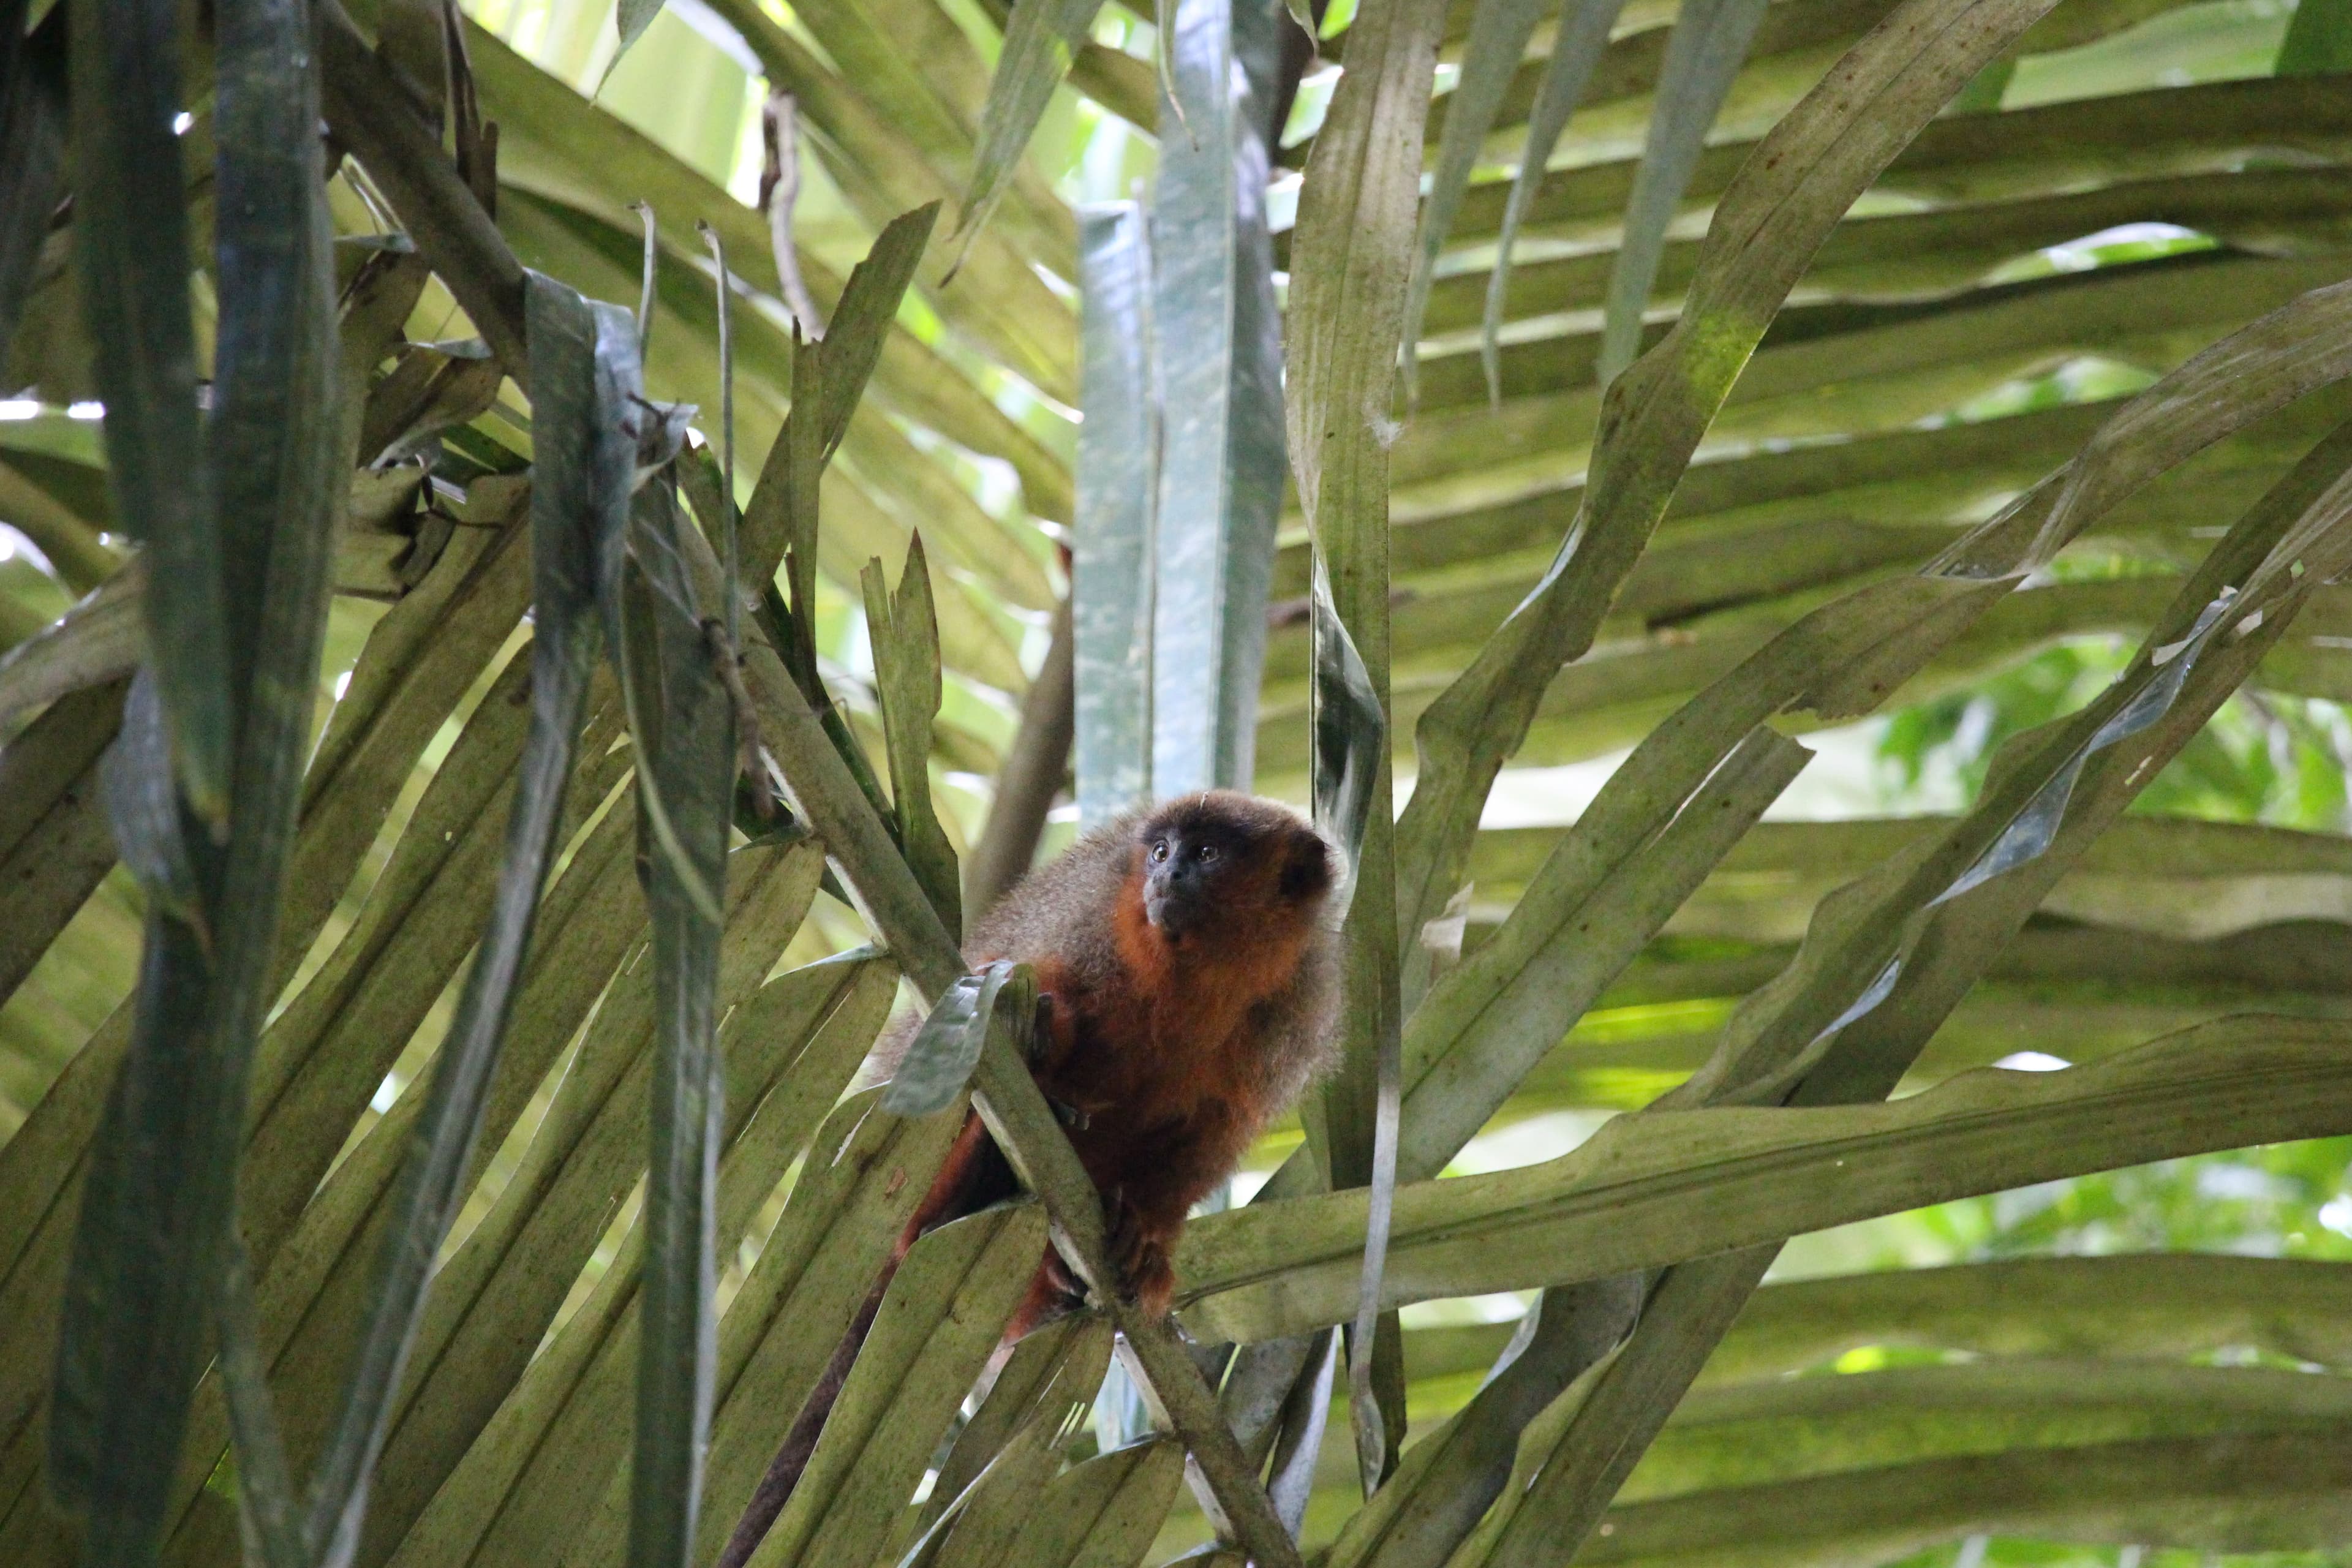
(1205, 858)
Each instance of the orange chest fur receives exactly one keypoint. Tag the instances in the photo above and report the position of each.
(1176, 1028)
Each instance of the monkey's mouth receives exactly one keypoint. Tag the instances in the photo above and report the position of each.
(1170, 917)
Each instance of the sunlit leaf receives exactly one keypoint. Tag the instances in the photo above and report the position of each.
(1270, 1269)
(1704, 55)
(1110, 545)
(1040, 42)
(1218, 377)
(1499, 31)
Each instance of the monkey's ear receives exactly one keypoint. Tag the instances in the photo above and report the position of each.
(1306, 868)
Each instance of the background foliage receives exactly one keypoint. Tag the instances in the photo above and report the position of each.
(2026, 1375)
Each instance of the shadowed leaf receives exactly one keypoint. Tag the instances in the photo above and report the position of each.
(585, 374)
(33, 111)
(251, 523)
(688, 742)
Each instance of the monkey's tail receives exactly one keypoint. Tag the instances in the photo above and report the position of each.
(783, 1475)
(974, 1175)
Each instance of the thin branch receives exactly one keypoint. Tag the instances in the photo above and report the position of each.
(780, 188)
(646, 282)
(732, 581)
(1032, 775)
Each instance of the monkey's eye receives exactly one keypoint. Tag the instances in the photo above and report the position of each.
(1159, 851)
(1207, 852)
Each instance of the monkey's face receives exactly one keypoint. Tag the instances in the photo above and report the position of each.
(1185, 865)
(1219, 866)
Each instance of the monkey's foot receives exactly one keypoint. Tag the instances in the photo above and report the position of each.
(1139, 1254)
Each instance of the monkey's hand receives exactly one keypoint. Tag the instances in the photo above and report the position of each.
(1139, 1253)
(1055, 1033)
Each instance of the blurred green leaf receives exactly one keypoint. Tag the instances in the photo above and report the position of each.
(630, 19)
(2218, 1493)
(33, 110)
(1910, 938)
(1040, 43)
(1575, 51)
(2128, 1306)
(1702, 59)
(1814, 163)
(886, 155)
(99, 639)
(2318, 39)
